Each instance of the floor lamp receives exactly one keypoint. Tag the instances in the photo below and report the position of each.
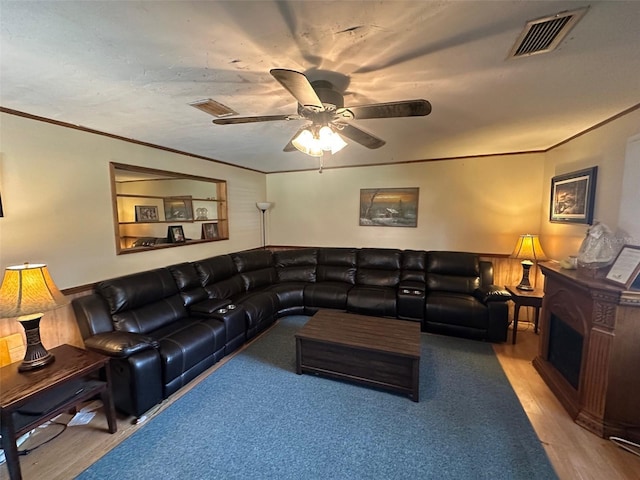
(263, 207)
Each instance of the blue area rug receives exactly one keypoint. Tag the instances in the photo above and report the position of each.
(254, 418)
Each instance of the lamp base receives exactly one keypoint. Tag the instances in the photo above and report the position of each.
(524, 282)
(36, 355)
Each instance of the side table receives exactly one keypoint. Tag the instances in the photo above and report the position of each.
(524, 298)
(29, 399)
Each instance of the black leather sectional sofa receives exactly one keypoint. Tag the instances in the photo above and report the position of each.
(165, 326)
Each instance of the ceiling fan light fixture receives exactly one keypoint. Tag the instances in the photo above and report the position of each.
(307, 143)
(330, 140)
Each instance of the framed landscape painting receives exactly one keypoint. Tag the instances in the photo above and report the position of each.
(573, 196)
(389, 207)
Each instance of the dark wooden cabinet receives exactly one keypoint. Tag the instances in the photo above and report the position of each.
(590, 351)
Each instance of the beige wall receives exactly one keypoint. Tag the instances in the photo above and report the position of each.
(607, 147)
(57, 202)
(475, 204)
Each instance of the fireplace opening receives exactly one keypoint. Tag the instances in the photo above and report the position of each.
(565, 350)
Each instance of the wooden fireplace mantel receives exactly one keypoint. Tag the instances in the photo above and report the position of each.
(607, 398)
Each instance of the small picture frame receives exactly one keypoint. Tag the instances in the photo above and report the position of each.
(626, 268)
(573, 197)
(147, 213)
(209, 231)
(176, 234)
(178, 208)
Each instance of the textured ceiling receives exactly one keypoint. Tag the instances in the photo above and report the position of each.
(131, 68)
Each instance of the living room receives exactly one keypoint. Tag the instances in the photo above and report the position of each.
(58, 208)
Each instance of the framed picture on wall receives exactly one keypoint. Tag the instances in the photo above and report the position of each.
(573, 196)
(176, 234)
(389, 207)
(209, 231)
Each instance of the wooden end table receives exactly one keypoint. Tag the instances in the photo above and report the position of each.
(29, 399)
(525, 298)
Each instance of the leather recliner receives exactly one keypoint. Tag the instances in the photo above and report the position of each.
(461, 299)
(141, 318)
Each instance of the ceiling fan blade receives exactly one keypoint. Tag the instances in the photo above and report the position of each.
(298, 85)
(406, 108)
(263, 118)
(360, 136)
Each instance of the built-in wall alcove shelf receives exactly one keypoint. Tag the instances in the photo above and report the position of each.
(160, 209)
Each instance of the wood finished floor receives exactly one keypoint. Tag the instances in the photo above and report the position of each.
(574, 452)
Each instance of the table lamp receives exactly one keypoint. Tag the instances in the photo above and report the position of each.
(27, 292)
(528, 248)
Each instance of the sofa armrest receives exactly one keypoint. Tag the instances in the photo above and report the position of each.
(207, 307)
(120, 344)
(491, 293)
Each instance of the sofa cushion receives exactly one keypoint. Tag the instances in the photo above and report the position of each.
(226, 289)
(261, 309)
(453, 272)
(378, 267)
(137, 289)
(366, 300)
(188, 282)
(215, 269)
(256, 279)
(253, 260)
(337, 265)
(327, 295)
(414, 264)
(457, 309)
(143, 302)
(453, 263)
(298, 265)
(452, 283)
(187, 344)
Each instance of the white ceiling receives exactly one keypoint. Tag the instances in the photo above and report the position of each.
(131, 68)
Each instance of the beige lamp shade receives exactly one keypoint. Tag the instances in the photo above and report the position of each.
(28, 289)
(528, 248)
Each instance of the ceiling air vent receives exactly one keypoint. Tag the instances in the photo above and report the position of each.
(214, 108)
(545, 34)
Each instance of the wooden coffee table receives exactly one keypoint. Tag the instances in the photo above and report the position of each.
(379, 352)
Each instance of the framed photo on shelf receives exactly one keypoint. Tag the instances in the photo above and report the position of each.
(573, 196)
(389, 207)
(178, 208)
(209, 231)
(176, 234)
(147, 213)
(625, 270)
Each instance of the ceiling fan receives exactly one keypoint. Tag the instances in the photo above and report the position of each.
(323, 106)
